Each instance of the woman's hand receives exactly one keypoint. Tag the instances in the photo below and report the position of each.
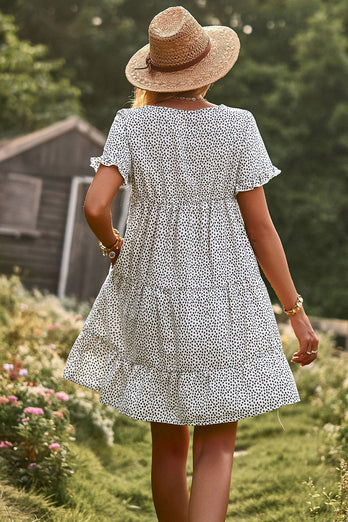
(307, 338)
(117, 251)
(113, 261)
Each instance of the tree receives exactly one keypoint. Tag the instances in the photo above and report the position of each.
(321, 107)
(292, 74)
(33, 92)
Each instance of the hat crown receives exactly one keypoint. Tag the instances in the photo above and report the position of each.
(176, 38)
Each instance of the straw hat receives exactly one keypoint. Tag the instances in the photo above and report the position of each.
(181, 54)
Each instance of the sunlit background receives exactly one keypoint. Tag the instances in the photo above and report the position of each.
(61, 82)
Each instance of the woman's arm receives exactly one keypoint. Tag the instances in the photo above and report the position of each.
(266, 244)
(101, 192)
(270, 254)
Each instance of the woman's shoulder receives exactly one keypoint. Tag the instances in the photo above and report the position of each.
(237, 113)
(235, 110)
(228, 118)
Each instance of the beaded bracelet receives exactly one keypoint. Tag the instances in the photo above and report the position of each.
(296, 308)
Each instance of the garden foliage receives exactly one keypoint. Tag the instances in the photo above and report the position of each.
(38, 407)
(43, 417)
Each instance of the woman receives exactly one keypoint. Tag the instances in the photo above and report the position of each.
(182, 331)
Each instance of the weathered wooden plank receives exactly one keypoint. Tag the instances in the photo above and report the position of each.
(41, 262)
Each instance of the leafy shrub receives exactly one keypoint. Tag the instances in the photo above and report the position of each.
(92, 422)
(34, 435)
(34, 318)
(324, 383)
(338, 503)
(35, 338)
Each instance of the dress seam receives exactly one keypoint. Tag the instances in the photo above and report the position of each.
(121, 358)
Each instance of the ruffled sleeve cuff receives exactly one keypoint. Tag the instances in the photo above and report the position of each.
(255, 167)
(259, 180)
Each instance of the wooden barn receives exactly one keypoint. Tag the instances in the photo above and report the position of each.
(44, 178)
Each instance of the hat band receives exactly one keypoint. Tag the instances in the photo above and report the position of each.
(169, 68)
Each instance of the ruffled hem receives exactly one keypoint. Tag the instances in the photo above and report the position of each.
(258, 181)
(96, 161)
(227, 418)
(178, 397)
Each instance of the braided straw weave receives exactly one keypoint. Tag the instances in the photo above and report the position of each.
(181, 54)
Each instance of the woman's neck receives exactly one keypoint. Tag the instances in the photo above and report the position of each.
(185, 104)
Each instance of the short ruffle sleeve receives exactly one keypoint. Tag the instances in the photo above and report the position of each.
(116, 149)
(255, 167)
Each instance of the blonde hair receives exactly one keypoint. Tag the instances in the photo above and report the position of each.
(144, 97)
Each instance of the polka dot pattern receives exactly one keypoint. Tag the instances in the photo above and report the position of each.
(183, 330)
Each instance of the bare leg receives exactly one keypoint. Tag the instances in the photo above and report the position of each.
(170, 444)
(213, 449)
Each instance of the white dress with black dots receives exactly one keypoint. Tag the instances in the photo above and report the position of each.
(183, 330)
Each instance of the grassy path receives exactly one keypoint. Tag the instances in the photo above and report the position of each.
(267, 482)
(113, 484)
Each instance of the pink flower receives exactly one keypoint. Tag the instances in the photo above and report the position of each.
(34, 411)
(4, 400)
(62, 396)
(5, 444)
(22, 371)
(78, 317)
(13, 398)
(45, 391)
(58, 414)
(32, 465)
(25, 420)
(49, 390)
(8, 366)
(54, 326)
(54, 446)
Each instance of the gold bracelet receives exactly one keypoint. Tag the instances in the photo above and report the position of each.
(112, 254)
(109, 251)
(297, 306)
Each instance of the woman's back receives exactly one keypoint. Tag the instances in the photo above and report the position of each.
(185, 296)
(184, 155)
(186, 166)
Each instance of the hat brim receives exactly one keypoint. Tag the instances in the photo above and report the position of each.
(222, 56)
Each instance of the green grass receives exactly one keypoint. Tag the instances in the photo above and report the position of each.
(267, 482)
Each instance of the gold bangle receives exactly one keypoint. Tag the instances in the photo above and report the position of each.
(106, 250)
(296, 308)
(112, 254)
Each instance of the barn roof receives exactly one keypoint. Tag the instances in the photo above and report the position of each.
(15, 146)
